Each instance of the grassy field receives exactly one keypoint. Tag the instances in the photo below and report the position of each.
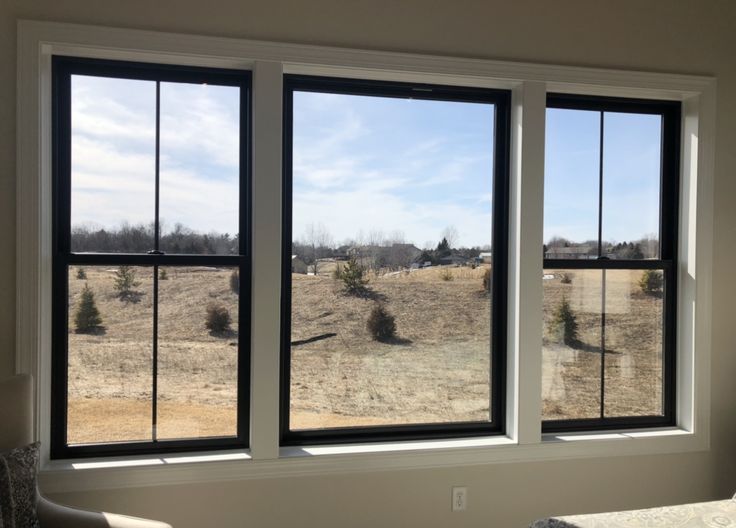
(437, 369)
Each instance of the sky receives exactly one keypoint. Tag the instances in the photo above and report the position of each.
(361, 165)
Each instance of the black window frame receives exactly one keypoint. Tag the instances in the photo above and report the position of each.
(62, 257)
(671, 112)
(501, 148)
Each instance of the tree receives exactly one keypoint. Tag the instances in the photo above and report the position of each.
(451, 235)
(81, 274)
(125, 283)
(381, 324)
(565, 323)
(487, 280)
(352, 275)
(318, 240)
(87, 319)
(443, 249)
(235, 281)
(218, 319)
(163, 275)
(651, 282)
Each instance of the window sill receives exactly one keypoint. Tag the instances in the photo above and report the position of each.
(131, 472)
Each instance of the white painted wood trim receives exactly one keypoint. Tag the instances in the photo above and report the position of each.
(37, 41)
(526, 204)
(266, 280)
(156, 471)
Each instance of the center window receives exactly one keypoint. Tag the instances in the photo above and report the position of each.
(393, 260)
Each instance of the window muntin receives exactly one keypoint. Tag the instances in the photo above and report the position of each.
(168, 376)
(618, 294)
(371, 171)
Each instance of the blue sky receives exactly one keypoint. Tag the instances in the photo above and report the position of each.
(113, 154)
(363, 166)
(631, 173)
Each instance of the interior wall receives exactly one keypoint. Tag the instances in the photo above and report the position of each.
(681, 36)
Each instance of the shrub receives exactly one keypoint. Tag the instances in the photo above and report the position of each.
(235, 282)
(81, 274)
(566, 278)
(487, 280)
(163, 275)
(566, 323)
(381, 324)
(353, 277)
(651, 282)
(446, 274)
(218, 318)
(87, 319)
(125, 283)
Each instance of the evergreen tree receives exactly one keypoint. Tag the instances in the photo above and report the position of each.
(125, 283)
(566, 323)
(651, 282)
(87, 319)
(235, 282)
(353, 277)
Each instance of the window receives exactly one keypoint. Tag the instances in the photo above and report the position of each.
(610, 232)
(150, 258)
(394, 256)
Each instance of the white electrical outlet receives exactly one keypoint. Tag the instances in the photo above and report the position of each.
(459, 498)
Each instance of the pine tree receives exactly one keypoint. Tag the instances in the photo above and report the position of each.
(125, 282)
(87, 319)
(651, 282)
(566, 323)
(353, 277)
(235, 282)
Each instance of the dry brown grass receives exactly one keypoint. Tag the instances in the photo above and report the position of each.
(633, 358)
(437, 370)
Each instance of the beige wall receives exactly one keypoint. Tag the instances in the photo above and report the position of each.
(686, 36)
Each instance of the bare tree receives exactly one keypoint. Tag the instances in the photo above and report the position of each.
(451, 234)
(318, 241)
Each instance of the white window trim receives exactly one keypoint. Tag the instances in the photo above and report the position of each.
(37, 41)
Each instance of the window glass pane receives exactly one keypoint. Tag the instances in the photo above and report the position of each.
(197, 352)
(113, 128)
(571, 183)
(631, 184)
(110, 354)
(571, 352)
(634, 324)
(396, 193)
(200, 168)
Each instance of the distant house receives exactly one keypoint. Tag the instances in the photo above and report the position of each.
(454, 260)
(298, 265)
(584, 251)
(395, 256)
(485, 257)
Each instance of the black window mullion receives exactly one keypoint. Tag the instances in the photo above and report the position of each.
(600, 185)
(156, 218)
(154, 360)
(156, 246)
(603, 272)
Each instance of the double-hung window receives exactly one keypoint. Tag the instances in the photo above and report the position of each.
(609, 284)
(150, 258)
(394, 260)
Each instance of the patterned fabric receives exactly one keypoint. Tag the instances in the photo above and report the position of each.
(20, 468)
(718, 514)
